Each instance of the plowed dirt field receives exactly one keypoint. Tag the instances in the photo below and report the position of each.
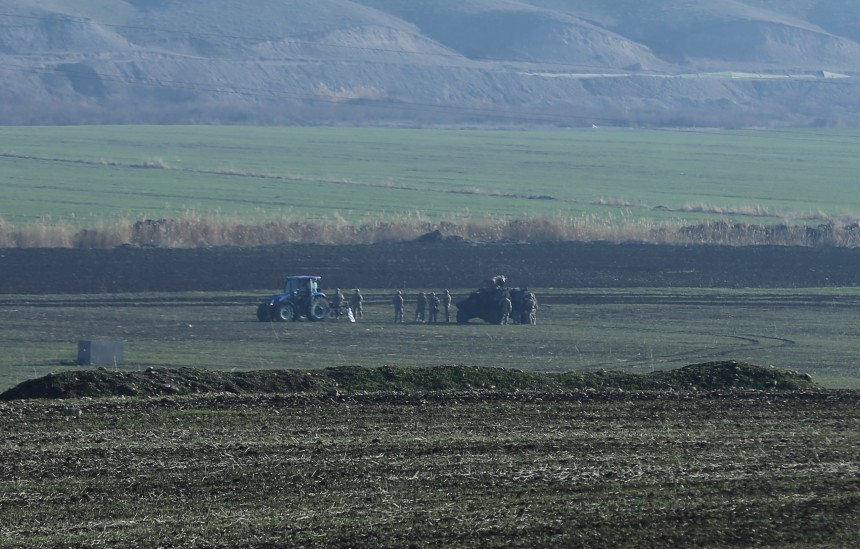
(434, 469)
(424, 264)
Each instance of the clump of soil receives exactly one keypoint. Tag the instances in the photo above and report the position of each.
(185, 381)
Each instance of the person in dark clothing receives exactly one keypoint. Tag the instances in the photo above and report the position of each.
(356, 301)
(337, 304)
(421, 307)
(433, 308)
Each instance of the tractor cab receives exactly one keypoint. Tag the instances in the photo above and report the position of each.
(301, 286)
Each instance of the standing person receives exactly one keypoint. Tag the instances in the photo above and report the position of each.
(398, 306)
(337, 304)
(446, 305)
(433, 307)
(507, 306)
(531, 308)
(420, 307)
(356, 303)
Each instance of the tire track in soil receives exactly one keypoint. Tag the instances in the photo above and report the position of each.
(751, 341)
(99, 301)
(243, 174)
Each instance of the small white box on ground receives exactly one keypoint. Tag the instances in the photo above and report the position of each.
(100, 352)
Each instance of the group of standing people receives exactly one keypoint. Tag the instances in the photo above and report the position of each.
(429, 306)
(427, 310)
(426, 307)
(339, 303)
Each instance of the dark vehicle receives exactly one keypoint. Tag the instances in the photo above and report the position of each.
(486, 304)
(301, 298)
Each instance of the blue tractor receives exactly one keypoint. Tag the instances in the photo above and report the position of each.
(301, 298)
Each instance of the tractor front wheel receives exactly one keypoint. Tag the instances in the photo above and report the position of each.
(318, 309)
(264, 313)
(285, 312)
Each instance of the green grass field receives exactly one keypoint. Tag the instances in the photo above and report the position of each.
(95, 175)
(632, 330)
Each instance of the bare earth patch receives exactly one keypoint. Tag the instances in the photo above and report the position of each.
(416, 264)
(185, 381)
(589, 467)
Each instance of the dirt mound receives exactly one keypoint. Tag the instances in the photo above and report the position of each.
(437, 236)
(184, 381)
(730, 374)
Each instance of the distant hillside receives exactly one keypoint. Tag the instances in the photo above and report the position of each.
(727, 63)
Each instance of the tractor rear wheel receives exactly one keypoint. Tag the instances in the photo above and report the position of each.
(318, 309)
(285, 312)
